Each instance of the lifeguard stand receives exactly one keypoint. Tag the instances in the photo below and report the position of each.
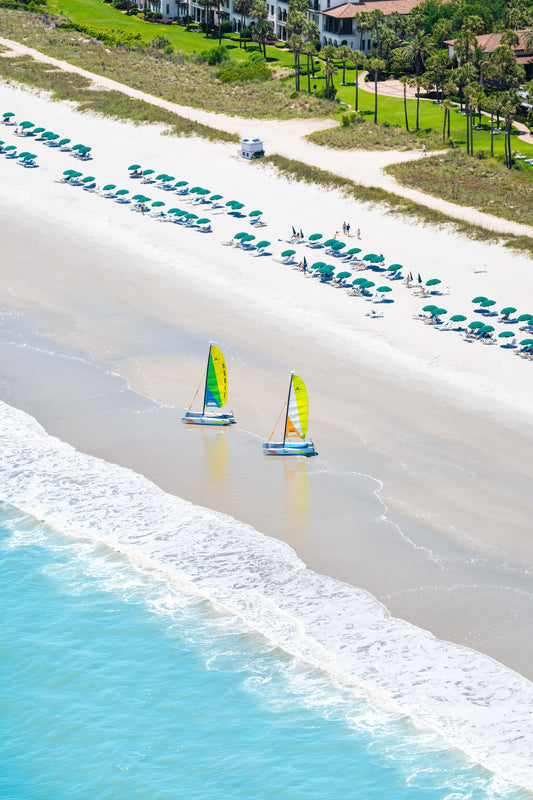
(251, 148)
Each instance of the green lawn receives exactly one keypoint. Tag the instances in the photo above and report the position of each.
(97, 13)
(391, 110)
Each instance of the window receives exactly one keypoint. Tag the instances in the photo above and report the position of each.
(363, 44)
(329, 3)
(168, 9)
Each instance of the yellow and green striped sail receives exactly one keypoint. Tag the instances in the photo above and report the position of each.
(298, 411)
(216, 384)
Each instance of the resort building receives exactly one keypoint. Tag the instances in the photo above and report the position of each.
(337, 22)
(490, 41)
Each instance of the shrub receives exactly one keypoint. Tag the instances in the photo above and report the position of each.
(214, 55)
(121, 5)
(321, 91)
(253, 69)
(156, 15)
(226, 27)
(160, 42)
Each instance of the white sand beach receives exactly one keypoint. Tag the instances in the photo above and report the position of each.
(420, 493)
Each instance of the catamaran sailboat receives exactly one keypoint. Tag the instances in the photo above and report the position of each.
(295, 428)
(215, 393)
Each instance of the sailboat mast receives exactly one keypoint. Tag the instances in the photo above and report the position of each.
(287, 411)
(206, 374)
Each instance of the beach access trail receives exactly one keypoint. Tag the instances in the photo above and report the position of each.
(287, 138)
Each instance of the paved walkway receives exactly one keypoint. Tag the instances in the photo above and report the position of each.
(287, 138)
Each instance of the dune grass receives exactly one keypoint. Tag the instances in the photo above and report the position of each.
(393, 204)
(176, 77)
(365, 135)
(484, 184)
(76, 88)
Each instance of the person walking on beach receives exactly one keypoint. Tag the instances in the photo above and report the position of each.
(347, 229)
(424, 148)
(358, 234)
(344, 228)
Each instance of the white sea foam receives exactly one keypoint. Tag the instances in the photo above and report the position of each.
(476, 703)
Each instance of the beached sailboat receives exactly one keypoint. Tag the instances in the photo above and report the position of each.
(295, 427)
(215, 393)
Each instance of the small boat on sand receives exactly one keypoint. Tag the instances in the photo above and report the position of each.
(215, 393)
(295, 427)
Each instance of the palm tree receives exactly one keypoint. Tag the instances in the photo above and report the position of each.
(376, 64)
(344, 54)
(374, 20)
(309, 51)
(296, 44)
(242, 7)
(360, 61)
(417, 49)
(447, 106)
(407, 81)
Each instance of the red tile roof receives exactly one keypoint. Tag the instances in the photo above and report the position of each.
(350, 10)
(490, 41)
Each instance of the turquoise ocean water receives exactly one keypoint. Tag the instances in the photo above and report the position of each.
(115, 686)
(152, 649)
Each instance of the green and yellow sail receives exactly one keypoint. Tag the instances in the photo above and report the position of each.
(298, 409)
(216, 383)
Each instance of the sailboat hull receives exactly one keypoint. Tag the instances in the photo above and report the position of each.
(289, 449)
(197, 418)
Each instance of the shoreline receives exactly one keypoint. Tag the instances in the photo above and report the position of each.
(420, 493)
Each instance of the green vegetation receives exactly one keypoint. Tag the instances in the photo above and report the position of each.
(478, 183)
(173, 77)
(360, 133)
(393, 204)
(76, 88)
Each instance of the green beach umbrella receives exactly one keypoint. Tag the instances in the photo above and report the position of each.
(74, 147)
(262, 244)
(479, 299)
(358, 281)
(430, 308)
(353, 251)
(10, 147)
(383, 289)
(488, 303)
(338, 246)
(342, 275)
(109, 186)
(148, 171)
(62, 142)
(195, 189)
(318, 264)
(249, 238)
(287, 253)
(214, 196)
(475, 324)
(438, 312)
(53, 136)
(203, 191)
(238, 206)
(88, 179)
(134, 166)
(326, 269)
(203, 221)
(329, 242)
(179, 183)
(394, 268)
(505, 334)
(195, 216)
(457, 318)
(487, 329)
(432, 282)
(158, 204)
(370, 257)
(68, 171)
(315, 236)
(255, 213)
(229, 204)
(367, 284)
(122, 192)
(522, 317)
(240, 235)
(39, 130)
(508, 310)
(162, 177)
(8, 114)
(27, 124)
(527, 342)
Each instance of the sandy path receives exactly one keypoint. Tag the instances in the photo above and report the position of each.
(286, 138)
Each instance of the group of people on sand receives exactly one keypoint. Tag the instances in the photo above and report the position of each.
(346, 228)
